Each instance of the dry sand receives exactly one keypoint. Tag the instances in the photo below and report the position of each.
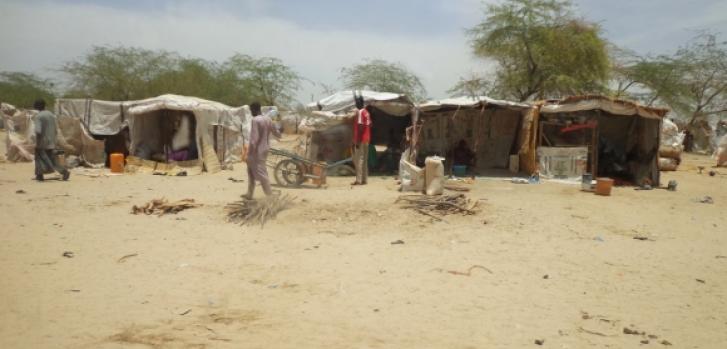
(325, 274)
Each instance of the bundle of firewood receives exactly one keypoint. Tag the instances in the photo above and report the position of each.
(441, 205)
(248, 212)
(162, 206)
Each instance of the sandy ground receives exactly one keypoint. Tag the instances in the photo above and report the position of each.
(565, 267)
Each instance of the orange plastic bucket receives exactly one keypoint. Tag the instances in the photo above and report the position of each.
(603, 186)
(117, 163)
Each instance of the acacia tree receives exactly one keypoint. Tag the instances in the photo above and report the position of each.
(128, 73)
(380, 75)
(117, 73)
(22, 89)
(702, 68)
(650, 80)
(187, 76)
(265, 79)
(541, 49)
(693, 81)
(472, 86)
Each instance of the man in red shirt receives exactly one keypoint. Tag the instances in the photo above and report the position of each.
(361, 140)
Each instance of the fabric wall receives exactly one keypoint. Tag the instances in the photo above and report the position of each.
(491, 133)
(330, 145)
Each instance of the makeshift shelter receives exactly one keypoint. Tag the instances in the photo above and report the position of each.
(498, 133)
(167, 131)
(602, 136)
(329, 125)
(20, 140)
(20, 137)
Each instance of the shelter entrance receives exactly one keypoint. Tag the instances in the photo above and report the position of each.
(482, 139)
(387, 138)
(165, 136)
(620, 147)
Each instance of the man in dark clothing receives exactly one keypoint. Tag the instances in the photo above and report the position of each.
(463, 155)
(688, 141)
(45, 143)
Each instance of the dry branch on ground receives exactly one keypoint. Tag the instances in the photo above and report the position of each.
(162, 206)
(441, 205)
(248, 212)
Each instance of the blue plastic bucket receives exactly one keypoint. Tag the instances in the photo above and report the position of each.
(459, 170)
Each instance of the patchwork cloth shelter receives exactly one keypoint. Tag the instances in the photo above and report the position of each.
(599, 135)
(20, 138)
(497, 131)
(329, 125)
(218, 130)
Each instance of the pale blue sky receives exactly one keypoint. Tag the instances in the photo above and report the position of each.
(318, 37)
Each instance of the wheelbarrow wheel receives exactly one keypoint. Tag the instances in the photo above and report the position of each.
(343, 171)
(289, 173)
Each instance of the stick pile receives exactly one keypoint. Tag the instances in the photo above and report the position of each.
(248, 212)
(442, 205)
(162, 206)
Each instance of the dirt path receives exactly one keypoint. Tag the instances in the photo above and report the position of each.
(565, 267)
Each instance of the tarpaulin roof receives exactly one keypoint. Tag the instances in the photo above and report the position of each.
(469, 102)
(609, 105)
(108, 117)
(342, 102)
(174, 102)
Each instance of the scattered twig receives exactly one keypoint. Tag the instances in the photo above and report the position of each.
(123, 259)
(596, 333)
(642, 238)
(220, 339)
(442, 205)
(185, 312)
(68, 254)
(235, 180)
(429, 214)
(469, 271)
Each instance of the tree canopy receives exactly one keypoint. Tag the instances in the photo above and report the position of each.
(383, 76)
(692, 81)
(541, 49)
(22, 89)
(265, 79)
(129, 73)
(472, 86)
(117, 73)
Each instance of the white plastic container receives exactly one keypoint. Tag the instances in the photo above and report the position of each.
(434, 175)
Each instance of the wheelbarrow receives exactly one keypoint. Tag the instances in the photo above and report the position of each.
(292, 170)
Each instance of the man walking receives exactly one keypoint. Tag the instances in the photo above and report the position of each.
(257, 151)
(361, 140)
(45, 143)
